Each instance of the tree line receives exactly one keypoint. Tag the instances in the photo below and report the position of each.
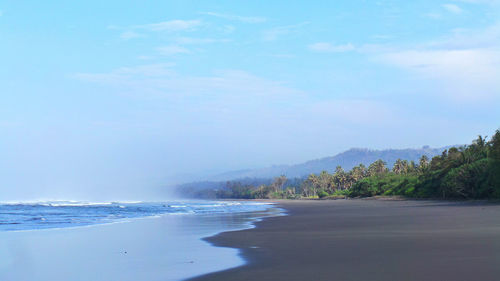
(466, 172)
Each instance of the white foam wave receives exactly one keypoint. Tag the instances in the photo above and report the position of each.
(67, 203)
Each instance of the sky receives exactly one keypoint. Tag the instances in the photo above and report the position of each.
(120, 99)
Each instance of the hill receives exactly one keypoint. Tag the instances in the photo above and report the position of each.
(347, 160)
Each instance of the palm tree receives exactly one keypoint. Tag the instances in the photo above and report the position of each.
(480, 141)
(325, 182)
(340, 177)
(278, 183)
(377, 168)
(357, 173)
(480, 148)
(398, 167)
(423, 163)
(495, 146)
(405, 167)
(412, 167)
(311, 185)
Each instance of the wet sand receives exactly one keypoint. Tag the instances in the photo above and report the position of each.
(369, 240)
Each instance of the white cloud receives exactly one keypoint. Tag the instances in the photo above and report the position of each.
(354, 111)
(273, 33)
(124, 74)
(372, 49)
(282, 56)
(172, 25)
(452, 8)
(228, 29)
(381, 36)
(236, 17)
(488, 2)
(172, 50)
(199, 41)
(488, 37)
(137, 31)
(464, 74)
(160, 79)
(127, 35)
(144, 57)
(465, 64)
(329, 48)
(433, 15)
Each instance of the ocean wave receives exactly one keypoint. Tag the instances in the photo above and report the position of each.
(70, 203)
(56, 203)
(58, 213)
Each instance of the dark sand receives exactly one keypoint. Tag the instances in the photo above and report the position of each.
(369, 240)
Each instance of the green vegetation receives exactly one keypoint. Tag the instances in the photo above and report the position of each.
(467, 172)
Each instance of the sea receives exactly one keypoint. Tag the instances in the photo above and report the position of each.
(125, 241)
(59, 214)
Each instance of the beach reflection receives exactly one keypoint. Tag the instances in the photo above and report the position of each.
(164, 248)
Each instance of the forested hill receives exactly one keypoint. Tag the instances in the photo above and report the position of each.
(347, 160)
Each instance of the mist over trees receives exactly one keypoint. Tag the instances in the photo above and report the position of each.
(465, 172)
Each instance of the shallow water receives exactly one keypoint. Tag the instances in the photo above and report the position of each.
(167, 247)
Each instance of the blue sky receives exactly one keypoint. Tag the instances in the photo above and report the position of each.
(137, 94)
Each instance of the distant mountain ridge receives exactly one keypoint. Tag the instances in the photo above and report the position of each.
(347, 160)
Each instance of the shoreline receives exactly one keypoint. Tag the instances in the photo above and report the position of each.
(360, 239)
(168, 247)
